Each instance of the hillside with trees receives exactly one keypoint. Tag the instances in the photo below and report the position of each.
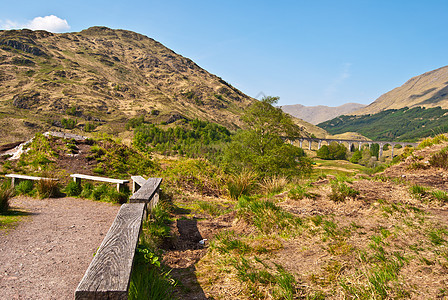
(405, 124)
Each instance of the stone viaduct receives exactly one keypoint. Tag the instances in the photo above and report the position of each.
(353, 142)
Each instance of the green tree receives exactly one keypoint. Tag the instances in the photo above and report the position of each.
(261, 147)
(375, 150)
(357, 155)
(333, 151)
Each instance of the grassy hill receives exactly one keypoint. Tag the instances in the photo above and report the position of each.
(100, 78)
(393, 124)
(427, 90)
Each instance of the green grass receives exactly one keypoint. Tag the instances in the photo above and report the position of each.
(266, 216)
(11, 218)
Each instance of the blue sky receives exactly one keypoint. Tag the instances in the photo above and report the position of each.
(308, 52)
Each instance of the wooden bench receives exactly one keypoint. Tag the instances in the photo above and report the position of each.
(109, 273)
(145, 191)
(16, 177)
(120, 182)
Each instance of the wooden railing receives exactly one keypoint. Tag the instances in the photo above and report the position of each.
(109, 273)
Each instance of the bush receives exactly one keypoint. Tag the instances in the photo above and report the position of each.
(24, 187)
(274, 184)
(100, 192)
(341, 191)
(89, 127)
(73, 189)
(333, 151)
(440, 159)
(6, 193)
(68, 123)
(356, 157)
(300, 192)
(243, 183)
(87, 190)
(47, 188)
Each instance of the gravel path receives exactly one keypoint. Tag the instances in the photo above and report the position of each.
(46, 255)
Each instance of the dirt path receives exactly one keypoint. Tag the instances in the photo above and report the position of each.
(46, 255)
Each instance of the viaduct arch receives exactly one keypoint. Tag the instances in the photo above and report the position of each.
(353, 142)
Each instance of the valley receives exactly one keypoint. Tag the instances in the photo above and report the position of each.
(247, 208)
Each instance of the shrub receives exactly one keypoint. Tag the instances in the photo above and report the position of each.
(6, 193)
(356, 157)
(87, 190)
(333, 151)
(440, 159)
(89, 127)
(299, 192)
(73, 189)
(47, 188)
(100, 192)
(242, 183)
(274, 184)
(68, 123)
(417, 191)
(341, 191)
(24, 187)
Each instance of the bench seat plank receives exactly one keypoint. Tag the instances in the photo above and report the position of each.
(98, 178)
(108, 275)
(26, 177)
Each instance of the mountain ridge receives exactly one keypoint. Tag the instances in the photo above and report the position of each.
(428, 90)
(320, 113)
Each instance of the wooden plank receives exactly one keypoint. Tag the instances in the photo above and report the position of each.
(109, 273)
(26, 177)
(98, 178)
(147, 191)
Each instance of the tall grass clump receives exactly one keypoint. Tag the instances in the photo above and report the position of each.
(47, 188)
(341, 191)
(433, 141)
(149, 278)
(417, 191)
(273, 184)
(73, 189)
(106, 193)
(6, 193)
(440, 159)
(265, 215)
(243, 183)
(24, 187)
(301, 191)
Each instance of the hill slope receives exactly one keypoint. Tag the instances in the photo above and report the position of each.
(393, 124)
(105, 74)
(320, 113)
(427, 90)
(105, 77)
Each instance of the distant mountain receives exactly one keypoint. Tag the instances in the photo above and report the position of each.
(427, 90)
(320, 113)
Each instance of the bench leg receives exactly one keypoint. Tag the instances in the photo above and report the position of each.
(153, 202)
(119, 187)
(77, 180)
(13, 182)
